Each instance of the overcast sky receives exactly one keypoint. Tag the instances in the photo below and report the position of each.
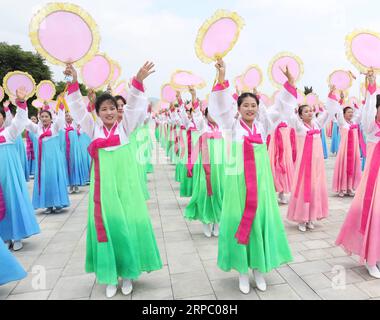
(164, 31)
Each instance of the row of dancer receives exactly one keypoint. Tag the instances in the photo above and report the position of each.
(236, 180)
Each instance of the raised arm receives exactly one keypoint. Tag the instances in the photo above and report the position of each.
(222, 106)
(19, 122)
(368, 118)
(137, 104)
(75, 101)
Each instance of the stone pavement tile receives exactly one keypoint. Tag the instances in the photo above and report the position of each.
(306, 268)
(206, 298)
(53, 261)
(170, 212)
(60, 247)
(63, 237)
(182, 263)
(182, 247)
(228, 289)
(336, 252)
(34, 246)
(73, 287)
(351, 292)
(173, 223)
(75, 267)
(215, 273)
(346, 262)
(191, 284)
(316, 235)
(154, 280)
(317, 281)
(298, 237)
(372, 288)
(36, 295)
(316, 244)
(297, 258)
(175, 236)
(278, 292)
(350, 276)
(42, 280)
(153, 294)
(74, 227)
(99, 293)
(297, 284)
(6, 289)
(209, 251)
(297, 246)
(316, 254)
(362, 272)
(27, 259)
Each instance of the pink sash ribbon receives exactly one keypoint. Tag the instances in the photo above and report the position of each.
(374, 168)
(2, 138)
(93, 149)
(350, 150)
(305, 167)
(46, 133)
(251, 200)
(189, 152)
(279, 150)
(29, 146)
(67, 138)
(2, 205)
(182, 142)
(268, 140)
(293, 142)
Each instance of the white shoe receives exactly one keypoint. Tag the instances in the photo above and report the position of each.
(215, 230)
(244, 283)
(206, 230)
(302, 227)
(341, 194)
(111, 291)
(126, 287)
(351, 193)
(76, 189)
(17, 245)
(373, 271)
(71, 191)
(310, 225)
(260, 281)
(58, 209)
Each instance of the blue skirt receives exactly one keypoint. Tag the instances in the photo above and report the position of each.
(19, 222)
(84, 142)
(53, 177)
(335, 140)
(21, 149)
(76, 173)
(10, 269)
(324, 144)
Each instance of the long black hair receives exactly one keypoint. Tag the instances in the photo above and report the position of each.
(121, 98)
(102, 98)
(48, 112)
(346, 109)
(247, 95)
(378, 101)
(3, 113)
(300, 109)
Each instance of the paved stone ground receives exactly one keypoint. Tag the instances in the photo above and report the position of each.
(190, 270)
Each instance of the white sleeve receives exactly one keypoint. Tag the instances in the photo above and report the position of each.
(8, 118)
(184, 118)
(135, 110)
(199, 120)
(286, 105)
(369, 114)
(222, 108)
(78, 111)
(18, 123)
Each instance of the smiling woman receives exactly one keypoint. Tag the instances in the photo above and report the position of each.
(120, 238)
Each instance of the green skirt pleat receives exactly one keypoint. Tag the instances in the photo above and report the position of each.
(268, 246)
(131, 248)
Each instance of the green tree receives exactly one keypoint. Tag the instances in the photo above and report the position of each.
(12, 58)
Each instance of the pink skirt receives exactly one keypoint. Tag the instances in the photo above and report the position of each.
(283, 180)
(341, 181)
(298, 210)
(367, 245)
